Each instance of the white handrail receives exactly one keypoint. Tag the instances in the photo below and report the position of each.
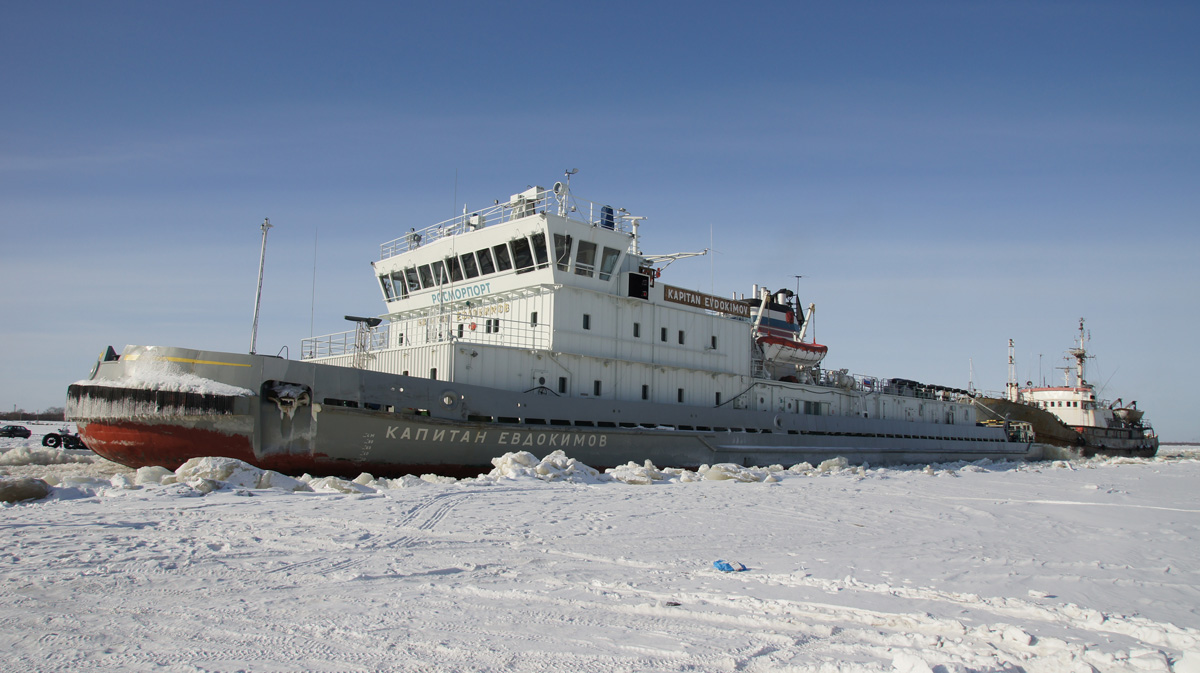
(566, 205)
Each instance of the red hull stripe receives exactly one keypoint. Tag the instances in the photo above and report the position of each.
(136, 445)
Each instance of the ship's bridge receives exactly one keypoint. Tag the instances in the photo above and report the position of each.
(540, 237)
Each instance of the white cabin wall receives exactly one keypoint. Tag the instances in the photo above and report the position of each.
(611, 332)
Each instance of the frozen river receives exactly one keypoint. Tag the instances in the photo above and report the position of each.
(979, 567)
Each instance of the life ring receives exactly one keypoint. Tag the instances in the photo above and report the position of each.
(472, 327)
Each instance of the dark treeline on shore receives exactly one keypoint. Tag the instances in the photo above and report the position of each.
(51, 414)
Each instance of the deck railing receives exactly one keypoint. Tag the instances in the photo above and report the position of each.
(436, 329)
(529, 203)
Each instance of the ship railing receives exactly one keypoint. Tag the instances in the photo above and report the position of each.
(546, 201)
(446, 328)
(342, 343)
(902, 387)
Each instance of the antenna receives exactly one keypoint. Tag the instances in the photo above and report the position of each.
(712, 262)
(262, 260)
(313, 308)
(634, 221)
(1012, 373)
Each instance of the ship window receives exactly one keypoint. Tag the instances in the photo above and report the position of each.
(608, 263)
(539, 250)
(386, 282)
(679, 395)
(503, 261)
(585, 259)
(718, 398)
(414, 282)
(439, 274)
(533, 319)
(714, 342)
(460, 330)
(468, 265)
(662, 335)
(399, 286)
(492, 326)
(680, 337)
(456, 273)
(426, 276)
(587, 321)
(486, 265)
(596, 388)
(562, 384)
(522, 255)
(433, 373)
(637, 330)
(562, 251)
(400, 340)
(645, 392)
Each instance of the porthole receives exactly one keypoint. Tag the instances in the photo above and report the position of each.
(449, 398)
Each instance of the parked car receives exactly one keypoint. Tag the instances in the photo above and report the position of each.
(14, 431)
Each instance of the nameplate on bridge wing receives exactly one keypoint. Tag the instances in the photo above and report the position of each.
(678, 295)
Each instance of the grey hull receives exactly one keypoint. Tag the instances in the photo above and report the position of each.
(303, 416)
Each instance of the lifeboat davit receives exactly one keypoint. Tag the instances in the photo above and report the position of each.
(777, 332)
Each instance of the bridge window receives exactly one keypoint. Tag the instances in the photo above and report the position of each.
(468, 265)
(486, 265)
(456, 273)
(503, 261)
(439, 274)
(539, 249)
(414, 282)
(426, 276)
(522, 255)
(562, 251)
(608, 263)
(386, 282)
(585, 259)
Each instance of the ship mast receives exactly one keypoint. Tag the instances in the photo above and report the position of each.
(1079, 352)
(1012, 374)
(262, 260)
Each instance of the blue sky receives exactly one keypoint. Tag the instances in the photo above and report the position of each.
(945, 175)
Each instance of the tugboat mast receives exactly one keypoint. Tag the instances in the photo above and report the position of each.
(1079, 352)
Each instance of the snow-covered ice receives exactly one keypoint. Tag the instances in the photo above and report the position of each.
(546, 564)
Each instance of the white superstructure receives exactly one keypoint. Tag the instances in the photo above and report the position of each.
(548, 291)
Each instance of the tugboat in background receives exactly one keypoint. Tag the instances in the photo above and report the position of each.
(1071, 416)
